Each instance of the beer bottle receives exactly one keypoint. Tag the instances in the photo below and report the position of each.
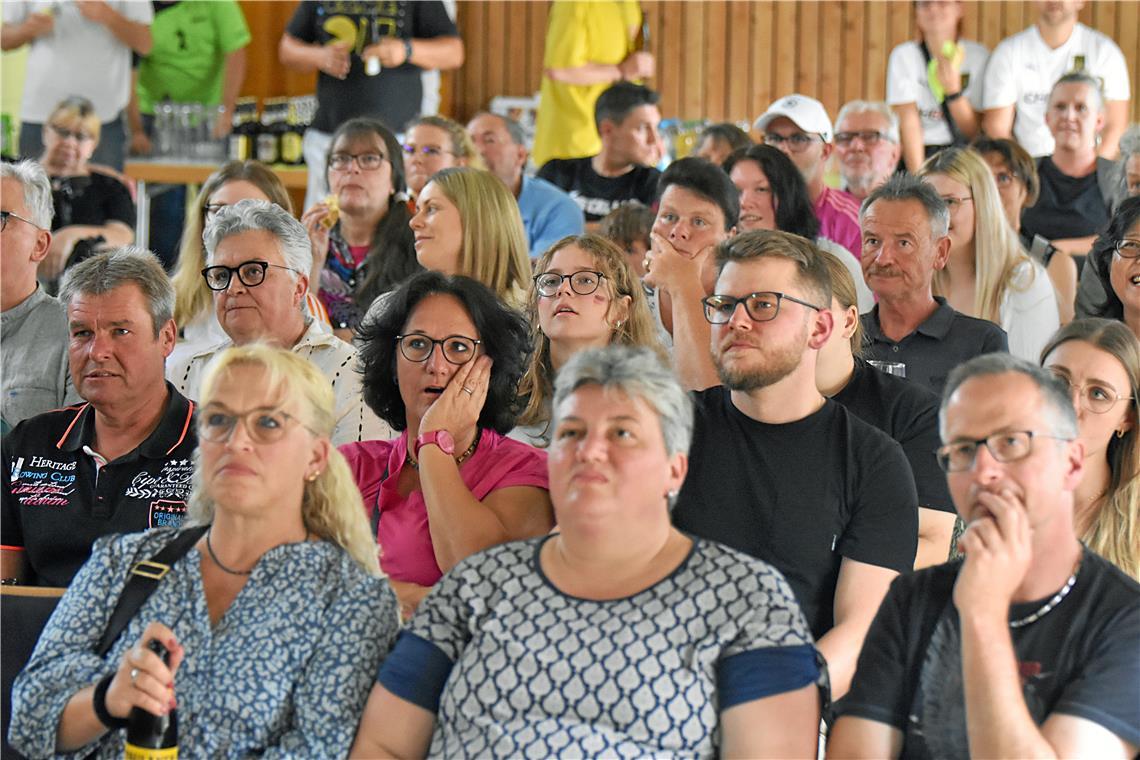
(268, 140)
(150, 736)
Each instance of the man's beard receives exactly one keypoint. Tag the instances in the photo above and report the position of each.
(777, 363)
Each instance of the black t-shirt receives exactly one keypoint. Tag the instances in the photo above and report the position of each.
(800, 496)
(393, 96)
(1067, 207)
(946, 339)
(1080, 659)
(908, 413)
(55, 502)
(597, 195)
(94, 199)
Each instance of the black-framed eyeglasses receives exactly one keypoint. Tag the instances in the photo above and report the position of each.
(1008, 446)
(367, 162)
(64, 133)
(457, 349)
(251, 273)
(1094, 397)
(1127, 248)
(796, 143)
(762, 306)
(426, 150)
(868, 136)
(583, 282)
(4, 220)
(263, 425)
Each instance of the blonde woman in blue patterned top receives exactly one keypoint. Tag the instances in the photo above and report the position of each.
(618, 636)
(276, 620)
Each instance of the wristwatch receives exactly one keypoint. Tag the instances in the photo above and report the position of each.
(407, 50)
(440, 438)
(950, 97)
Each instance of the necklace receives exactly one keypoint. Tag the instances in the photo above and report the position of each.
(462, 457)
(1049, 605)
(218, 562)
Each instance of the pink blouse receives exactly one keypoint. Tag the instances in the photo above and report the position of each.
(405, 541)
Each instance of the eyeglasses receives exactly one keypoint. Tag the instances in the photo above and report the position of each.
(953, 202)
(457, 349)
(251, 274)
(1094, 398)
(760, 307)
(210, 210)
(1004, 447)
(426, 150)
(367, 162)
(797, 143)
(869, 137)
(583, 282)
(4, 220)
(262, 425)
(1126, 248)
(64, 134)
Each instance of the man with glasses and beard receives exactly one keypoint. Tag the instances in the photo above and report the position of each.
(779, 471)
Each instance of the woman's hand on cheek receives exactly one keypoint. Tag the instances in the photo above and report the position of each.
(458, 408)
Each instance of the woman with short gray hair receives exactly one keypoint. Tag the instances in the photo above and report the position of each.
(618, 635)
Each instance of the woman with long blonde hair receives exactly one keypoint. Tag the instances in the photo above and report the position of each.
(1099, 359)
(988, 274)
(583, 295)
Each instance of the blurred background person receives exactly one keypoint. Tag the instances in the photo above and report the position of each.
(867, 144)
(433, 143)
(1130, 161)
(628, 227)
(717, 141)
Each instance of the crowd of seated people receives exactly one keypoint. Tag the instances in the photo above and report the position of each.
(820, 440)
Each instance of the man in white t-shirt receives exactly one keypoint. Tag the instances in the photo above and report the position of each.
(1023, 68)
(77, 48)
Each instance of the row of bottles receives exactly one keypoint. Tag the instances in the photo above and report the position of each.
(274, 135)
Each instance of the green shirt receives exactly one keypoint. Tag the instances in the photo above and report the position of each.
(191, 42)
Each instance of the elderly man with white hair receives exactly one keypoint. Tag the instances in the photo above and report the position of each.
(867, 143)
(257, 262)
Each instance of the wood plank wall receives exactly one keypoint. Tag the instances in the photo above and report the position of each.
(717, 59)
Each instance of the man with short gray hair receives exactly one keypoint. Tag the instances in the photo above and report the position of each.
(867, 142)
(1027, 648)
(258, 259)
(905, 224)
(548, 213)
(33, 373)
(119, 463)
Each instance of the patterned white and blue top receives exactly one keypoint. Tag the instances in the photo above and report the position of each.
(513, 667)
(284, 673)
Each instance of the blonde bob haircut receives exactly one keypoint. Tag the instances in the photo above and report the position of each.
(76, 112)
(998, 255)
(637, 329)
(494, 240)
(191, 295)
(461, 143)
(331, 506)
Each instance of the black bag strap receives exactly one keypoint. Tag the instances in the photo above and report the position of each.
(374, 517)
(956, 136)
(142, 582)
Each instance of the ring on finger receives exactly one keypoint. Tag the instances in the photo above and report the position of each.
(134, 674)
(469, 391)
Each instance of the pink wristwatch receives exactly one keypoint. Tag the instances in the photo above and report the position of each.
(440, 438)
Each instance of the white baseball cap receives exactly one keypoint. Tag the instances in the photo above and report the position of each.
(806, 113)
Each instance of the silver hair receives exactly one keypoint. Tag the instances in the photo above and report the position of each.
(1081, 77)
(906, 187)
(1055, 394)
(1129, 147)
(637, 372)
(37, 190)
(853, 107)
(252, 215)
(127, 265)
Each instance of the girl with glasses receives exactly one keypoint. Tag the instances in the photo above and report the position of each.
(1099, 360)
(442, 363)
(583, 295)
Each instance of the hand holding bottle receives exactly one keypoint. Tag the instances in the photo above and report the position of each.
(143, 680)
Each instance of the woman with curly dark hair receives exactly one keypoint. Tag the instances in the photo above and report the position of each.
(1115, 260)
(442, 363)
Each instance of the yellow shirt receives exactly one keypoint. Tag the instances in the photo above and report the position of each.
(579, 32)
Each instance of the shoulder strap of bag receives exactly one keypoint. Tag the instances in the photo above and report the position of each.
(374, 517)
(956, 136)
(142, 582)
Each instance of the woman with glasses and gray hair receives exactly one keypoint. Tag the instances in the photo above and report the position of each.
(442, 364)
(258, 260)
(616, 636)
(271, 604)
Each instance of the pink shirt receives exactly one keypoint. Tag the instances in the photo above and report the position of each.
(405, 541)
(838, 214)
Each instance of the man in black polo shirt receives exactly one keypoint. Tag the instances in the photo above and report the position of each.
(905, 224)
(120, 462)
(779, 471)
(905, 411)
(627, 118)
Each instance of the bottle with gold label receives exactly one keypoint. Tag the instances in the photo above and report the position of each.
(150, 736)
(291, 138)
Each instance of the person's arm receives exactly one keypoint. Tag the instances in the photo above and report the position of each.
(17, 35)
(1115, 122)
(441, 53)
(1079, 246)
(232, 80)
(306, 57)
(392, 727)
(64, 239)
(679, 275)
(780, 726)
(935, 529)
(910, 131)
(854, 737)
(965, 117)
(133, 34)
(637, 65)
(998, 122)
(858, 593)
(140, 141)
(1063, 274)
